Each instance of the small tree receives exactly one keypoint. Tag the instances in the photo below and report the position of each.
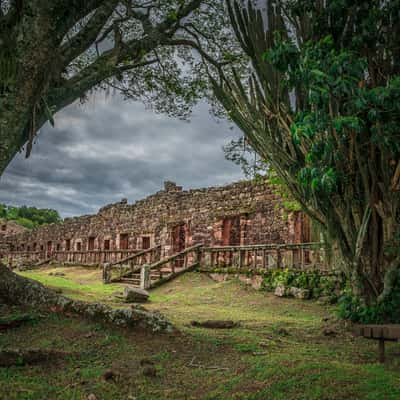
(54, 52)
(322, 106)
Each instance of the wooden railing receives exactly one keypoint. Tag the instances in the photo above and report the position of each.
(83, 257)
(132, 264)
(92, 257)
(266, 256)
(21, 256)
(154, 269)
(142, 257)
(170, 267)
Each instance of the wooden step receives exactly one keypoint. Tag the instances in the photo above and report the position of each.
(128, 280)
(152, 276)
(166, 272)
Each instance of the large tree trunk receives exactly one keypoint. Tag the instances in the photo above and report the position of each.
(346, 177)
(367, 245)
(28, 62)
(15, 289)
(11, 138)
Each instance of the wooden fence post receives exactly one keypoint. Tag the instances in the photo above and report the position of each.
(198, 255)
(145, 281)
(241, 258)
(278, 258)
(106, 273)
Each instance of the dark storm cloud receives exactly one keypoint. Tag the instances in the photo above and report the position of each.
(108, 149)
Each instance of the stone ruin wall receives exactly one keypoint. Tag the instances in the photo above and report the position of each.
(8, 228)
(256, 210)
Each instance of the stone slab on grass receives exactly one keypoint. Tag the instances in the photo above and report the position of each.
(135, 295)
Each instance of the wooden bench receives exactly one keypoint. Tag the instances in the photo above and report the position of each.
(382, 333)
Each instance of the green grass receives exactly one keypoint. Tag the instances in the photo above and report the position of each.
(78, 283)
(278, 352)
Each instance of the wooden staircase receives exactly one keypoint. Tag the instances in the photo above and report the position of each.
(129, 267)
(147, 276)
(134, 279)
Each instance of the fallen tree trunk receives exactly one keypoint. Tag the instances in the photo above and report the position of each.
(215, 324)
(14, 322)
(11, 357)
(15, 289)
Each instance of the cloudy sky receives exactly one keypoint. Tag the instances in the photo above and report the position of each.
(109, 149)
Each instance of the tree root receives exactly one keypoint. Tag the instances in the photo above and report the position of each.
(15, 289)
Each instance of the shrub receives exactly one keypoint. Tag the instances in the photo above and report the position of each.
(387, 311)
(318, 284)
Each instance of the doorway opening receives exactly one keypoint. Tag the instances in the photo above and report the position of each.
(231, 231)
(178, 243)
(145, 242)
(91, 243)
(123, 241)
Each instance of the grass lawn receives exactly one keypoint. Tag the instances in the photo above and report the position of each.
(278, 352)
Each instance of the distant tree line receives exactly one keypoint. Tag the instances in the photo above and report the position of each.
(29, 217)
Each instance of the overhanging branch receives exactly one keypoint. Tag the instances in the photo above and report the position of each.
(88, 34)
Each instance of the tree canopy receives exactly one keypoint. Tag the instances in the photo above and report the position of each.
(53, 53)
(29, 217)
(321, 105)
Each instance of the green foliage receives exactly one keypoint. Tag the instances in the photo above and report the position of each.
(335, 78)
(317, 283)
(281, 189)
(241, 153)
(387, 311)
(320, 104)
(29, 217)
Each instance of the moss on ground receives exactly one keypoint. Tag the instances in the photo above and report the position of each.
(278, 352)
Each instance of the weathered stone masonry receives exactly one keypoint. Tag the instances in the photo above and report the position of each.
(237, 214)
(8, 228)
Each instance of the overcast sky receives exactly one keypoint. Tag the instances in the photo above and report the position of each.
(109, 149)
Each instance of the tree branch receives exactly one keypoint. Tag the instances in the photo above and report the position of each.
(77, 9)
(87, 35)
(131, 53)
(196, 46)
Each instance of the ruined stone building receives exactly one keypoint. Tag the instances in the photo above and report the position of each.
(9, 228)
(237, 214)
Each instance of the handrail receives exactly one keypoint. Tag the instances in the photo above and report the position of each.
(97, 251)
(141, 256)
(174, 256)
(152, 275)
(265, 246)
(141, 253)
(29, 252)
(304, 255)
